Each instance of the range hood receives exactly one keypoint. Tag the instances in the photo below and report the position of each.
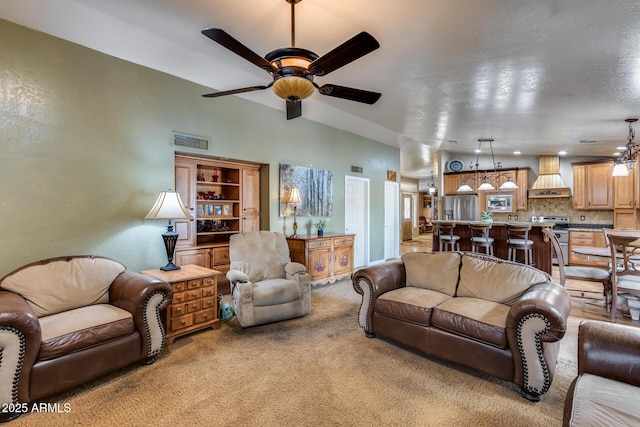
(549, 183)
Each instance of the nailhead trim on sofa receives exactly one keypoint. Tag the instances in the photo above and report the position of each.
(545, 370)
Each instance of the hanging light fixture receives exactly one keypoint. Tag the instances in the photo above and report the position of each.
(486, 185)
(624, 165)
(431, 187)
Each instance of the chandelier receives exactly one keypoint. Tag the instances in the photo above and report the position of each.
(628, 155)
(486, 185)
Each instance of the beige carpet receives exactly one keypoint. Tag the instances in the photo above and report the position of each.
(319, 370)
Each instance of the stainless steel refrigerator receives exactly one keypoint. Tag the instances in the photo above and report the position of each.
(461, 208)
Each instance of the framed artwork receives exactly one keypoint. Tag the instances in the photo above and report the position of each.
(391, 175)
(217, 210)
(226, 210)
(209, 210)
(316, 190)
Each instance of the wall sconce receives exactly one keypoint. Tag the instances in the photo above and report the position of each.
(169, 206)
(294, 197)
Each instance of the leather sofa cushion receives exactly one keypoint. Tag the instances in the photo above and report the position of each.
(473, 318)
(500, 282)
(63, 285)
(410, 304)
(276, 291)
(602, 401)
(74, 330)
(261, 255)
(437, 271)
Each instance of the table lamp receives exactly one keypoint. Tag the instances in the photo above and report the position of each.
(169, 206)
(294, 198)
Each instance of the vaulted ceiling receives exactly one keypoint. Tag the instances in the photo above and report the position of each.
(536, 76)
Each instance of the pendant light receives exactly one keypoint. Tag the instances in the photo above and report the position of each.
(624, 164)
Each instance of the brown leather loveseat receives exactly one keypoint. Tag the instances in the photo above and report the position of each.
(606, 391)
(498, 317)
(67, 320)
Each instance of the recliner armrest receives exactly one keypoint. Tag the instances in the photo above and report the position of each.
(609, 350)
(293, 268)
(235, 276)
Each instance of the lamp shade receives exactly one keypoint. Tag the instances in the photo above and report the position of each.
(294, 197)
(620, 169)
(168, 206)
(464, 188)
(486, 186)
(508, 185)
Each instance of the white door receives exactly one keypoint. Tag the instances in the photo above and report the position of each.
(391, 220)
(356, 217)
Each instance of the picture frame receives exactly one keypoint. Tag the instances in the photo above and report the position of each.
(209, 210)
(217, 210)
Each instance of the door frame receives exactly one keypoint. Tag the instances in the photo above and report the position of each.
(392, 233)
(367, 214)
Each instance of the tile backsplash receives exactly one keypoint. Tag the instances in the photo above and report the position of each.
(558, 207)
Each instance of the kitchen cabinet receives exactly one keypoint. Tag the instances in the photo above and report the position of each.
(451, 184)
(520, 194)
(593, 186)
(626, 200)
(585, 238)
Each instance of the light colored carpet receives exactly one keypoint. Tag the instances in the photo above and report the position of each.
(319, 370)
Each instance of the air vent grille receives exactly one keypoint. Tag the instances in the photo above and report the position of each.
(191, 141)
(587, 141)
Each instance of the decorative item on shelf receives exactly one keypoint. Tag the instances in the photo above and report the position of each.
(215, 175)
(628, 153)
(486, 185)
(486, 217)
(201, 177)
(320, 226)
(294, 198)
(170, 207)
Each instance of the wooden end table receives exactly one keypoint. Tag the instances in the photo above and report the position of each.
(195, 300)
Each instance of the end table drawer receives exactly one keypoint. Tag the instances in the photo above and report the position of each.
(191, 295)
(181, 322)
(194, 306)
(209, 281)
(204, 316)
(195, 284)
(208, 302)
(179, 286)
(178, 310)
(179, 297)
(209, 291)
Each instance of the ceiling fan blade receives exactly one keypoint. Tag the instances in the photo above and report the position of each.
(234, 91)
(220, 36)
(354, 48)
(350, 93)
(294, 108)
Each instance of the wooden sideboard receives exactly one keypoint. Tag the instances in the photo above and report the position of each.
(328, 258)
(195, 299)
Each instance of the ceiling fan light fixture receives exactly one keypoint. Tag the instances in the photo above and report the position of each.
(293, 86)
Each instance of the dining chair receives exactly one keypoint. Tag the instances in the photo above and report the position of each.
(589, 274)
(625, 278)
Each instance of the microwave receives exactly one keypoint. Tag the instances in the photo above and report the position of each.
(500, 203)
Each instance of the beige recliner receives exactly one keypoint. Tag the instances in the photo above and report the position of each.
(265, 285)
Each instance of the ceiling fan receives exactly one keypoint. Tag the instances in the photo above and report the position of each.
(293, 69)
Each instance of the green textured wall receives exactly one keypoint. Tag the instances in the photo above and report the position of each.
(86, 147)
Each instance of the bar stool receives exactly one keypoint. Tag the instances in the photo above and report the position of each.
(518, 240)
(480, 237)
(448, 240)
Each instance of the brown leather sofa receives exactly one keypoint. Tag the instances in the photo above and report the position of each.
(498, 317)
(607, 388)
(68, 320)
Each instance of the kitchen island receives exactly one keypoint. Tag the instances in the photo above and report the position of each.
(542, 250)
